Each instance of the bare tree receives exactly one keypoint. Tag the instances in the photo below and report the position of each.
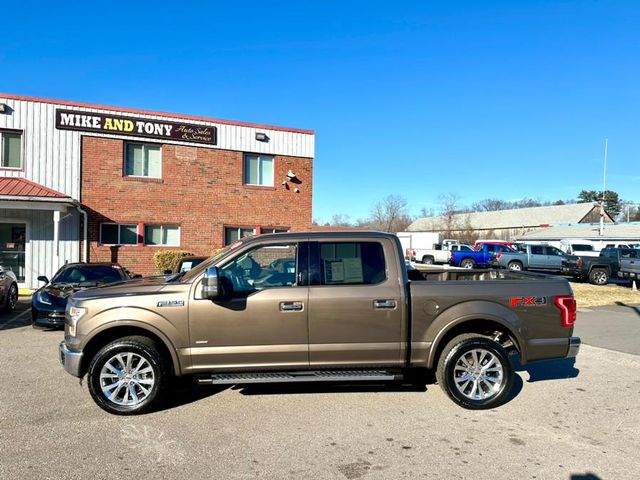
(390, 215)
(449, 208)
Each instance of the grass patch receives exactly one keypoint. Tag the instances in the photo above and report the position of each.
(588, 295)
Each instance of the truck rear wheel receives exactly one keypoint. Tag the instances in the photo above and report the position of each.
(475, 372)
(515, 266)
(128, 376)
(428, 260)
(598, 276)
(467, 263)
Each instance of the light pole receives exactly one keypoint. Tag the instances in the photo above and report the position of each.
(604, 186)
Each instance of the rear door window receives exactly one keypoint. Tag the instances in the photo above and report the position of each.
(347, 263)
(537, 250)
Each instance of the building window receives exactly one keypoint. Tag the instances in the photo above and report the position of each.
(233, 234)
(118, 234)
(258, 170)
(143, 160)
(273, 230)
(166, 235)
(10, 145)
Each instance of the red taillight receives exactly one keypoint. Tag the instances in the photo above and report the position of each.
(579, 263)
(498, 256)
(567, 306)
(451, 256)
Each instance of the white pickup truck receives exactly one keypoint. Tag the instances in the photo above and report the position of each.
(439, 254)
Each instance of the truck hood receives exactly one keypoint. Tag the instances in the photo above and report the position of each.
(137, 286)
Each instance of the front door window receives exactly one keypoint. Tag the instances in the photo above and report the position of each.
(12, 245)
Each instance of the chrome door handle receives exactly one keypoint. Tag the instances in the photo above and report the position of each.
(291, 306)
(384, 304)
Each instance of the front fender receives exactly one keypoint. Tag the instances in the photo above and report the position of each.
(171, 335)
(471, 311)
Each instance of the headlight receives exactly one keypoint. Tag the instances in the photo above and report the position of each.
(74, 314)
(43, 297)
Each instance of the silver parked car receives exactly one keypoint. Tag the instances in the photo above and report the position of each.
(8, 290)
(532, 257)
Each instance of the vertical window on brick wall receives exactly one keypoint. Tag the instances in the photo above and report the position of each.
(164, 235)
(233, 234)
(258, 170)
(10, 146)
(118, 234)
(143, 160)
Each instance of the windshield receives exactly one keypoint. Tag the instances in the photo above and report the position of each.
(194, 272)
(89, 273)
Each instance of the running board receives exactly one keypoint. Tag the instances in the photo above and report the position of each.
(303, 376)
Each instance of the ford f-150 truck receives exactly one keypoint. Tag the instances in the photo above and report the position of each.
(531, 257)
(310, 307)
(482, 257)
(597, 269)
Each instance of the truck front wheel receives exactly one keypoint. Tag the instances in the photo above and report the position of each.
(475, 372)
(128, 376)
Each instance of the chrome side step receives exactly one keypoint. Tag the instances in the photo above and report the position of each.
(302, 376)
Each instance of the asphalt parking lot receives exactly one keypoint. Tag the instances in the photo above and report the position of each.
(566, 420)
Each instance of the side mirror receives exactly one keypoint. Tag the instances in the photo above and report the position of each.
(168, 272)
(211, 284)
(42, 278)
(137, 275)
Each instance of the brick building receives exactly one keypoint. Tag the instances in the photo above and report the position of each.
(135, 181)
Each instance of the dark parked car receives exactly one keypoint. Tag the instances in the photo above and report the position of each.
(597, 269)
(50, 301)
(8, 290)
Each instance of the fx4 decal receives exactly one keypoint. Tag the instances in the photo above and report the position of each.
(528, 301)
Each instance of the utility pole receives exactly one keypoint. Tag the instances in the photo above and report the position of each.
(604, 186)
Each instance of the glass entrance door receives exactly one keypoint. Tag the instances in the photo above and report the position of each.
(12, 244)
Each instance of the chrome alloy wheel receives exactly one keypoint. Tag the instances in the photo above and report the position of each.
(478, 374)
(599, 277)
(127, 379)
(515, 267)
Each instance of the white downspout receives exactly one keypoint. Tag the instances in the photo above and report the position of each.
(85, 233)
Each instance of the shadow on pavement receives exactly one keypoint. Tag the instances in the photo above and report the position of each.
(635, 308)
(326, 387)
(548, 370)
(185, 392)
(584, 476)
(20, 317)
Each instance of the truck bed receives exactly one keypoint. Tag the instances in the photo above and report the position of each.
(523, 301)
(465, 275)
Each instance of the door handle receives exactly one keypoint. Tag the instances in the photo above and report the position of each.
(384, 304)
(291, 306)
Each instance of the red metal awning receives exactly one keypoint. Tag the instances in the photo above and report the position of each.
(20, 187)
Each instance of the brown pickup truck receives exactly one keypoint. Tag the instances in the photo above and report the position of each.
(310, 307)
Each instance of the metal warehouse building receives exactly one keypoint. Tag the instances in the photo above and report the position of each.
(83, 182)
(508, 224)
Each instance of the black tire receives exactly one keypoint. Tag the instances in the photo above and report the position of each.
(11, 299)
(139, 347)
(468, 263)
(446, 372)
(428, 260)
(599, 276)
(515, 266)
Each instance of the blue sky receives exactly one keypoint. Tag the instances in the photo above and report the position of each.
(482, 99)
